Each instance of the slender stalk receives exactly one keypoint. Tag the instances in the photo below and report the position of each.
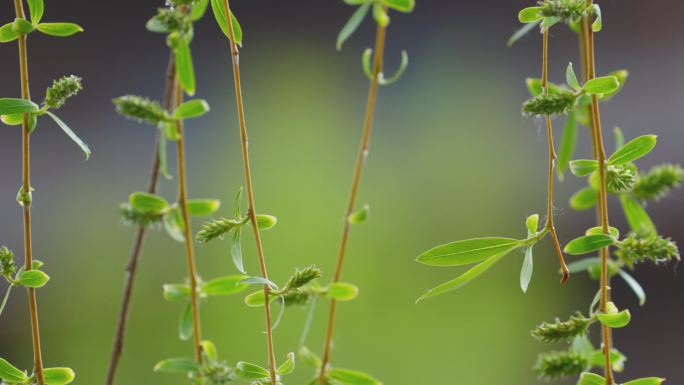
(603, 198)
(139, 238)
(356, 181)
(187, 231)
(26, 189)
(237, 81)
(552, 159)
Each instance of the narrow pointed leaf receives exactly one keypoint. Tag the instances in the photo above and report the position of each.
(527, 269)
(59, 29)
(588, 378)
(251, 371)
(635, 286)
(351, 377)
(467, 251)
(72, 135)
(353, 24)
(176, 365)
(184, 66)
(583, 167)
(602, 85)
(636, 215)
(588, 244)
(462, 280)
(567, 145)
(633, 150)
(224, 286)
(7, 33)
(36, 9)
(288, 366)
(10, 373)
(185, 327)
(571, 78)
(219, 11)
(522, 32)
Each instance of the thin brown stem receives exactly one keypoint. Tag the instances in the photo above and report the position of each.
(237, 81)
(187, 231)
(356, 181)
(139, 239)
(26, 189)
(603, 196)
(552, 159)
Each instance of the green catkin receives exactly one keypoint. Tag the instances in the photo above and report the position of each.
(302, 277)
(7, 267)
(215, 229)
(132, 216)
(61, 90)
(550, 104)
(658, 182)
(568, 11)
(635, 249)
(140, 109)
(555, 365)
(558, 331)
(620, 179)
(171, 20)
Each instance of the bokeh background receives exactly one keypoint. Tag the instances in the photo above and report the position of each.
(452, 158)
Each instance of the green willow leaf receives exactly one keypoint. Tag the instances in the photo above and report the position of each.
(583, 265)
(7, 33)
(265, 222)
(341, 291)
(59, 29)
(191, 109)
(353, 24)
(527, 269)
(583, 167)
(309, 357)
(219, 11)
(601, 85)
(633, 150)
(176, 291)
(571, 78)
(23, 27)
(597, 25)
(185, 326)
(10, 373)
(251, 371)
(288, 366)
(567, 145)
(646, 381)
(71, 134)
(398, 73)
(58, 376)
(203, 207)
(380, 15)
(530, 15)
(614, 232)
(33, 279)
(351, 377)
(584, 199)
(176, 365)
(597, 359)
(148, 203)
(224, 286)
(11, 106)
(209, 350)
(198, 10)
(636, 215)
(174, 224)
(588, 378)
(522, 32)
(588, 244)
(464, 279)
(184, 66)
(359, 216)
(617, 320)
(532, 224)
(236, 249)
(366, 62)
(400, 5)
(634, 285)
(468, 251)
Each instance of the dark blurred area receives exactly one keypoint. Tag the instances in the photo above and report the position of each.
(452, 158)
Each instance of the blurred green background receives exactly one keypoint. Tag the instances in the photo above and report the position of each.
(451, 158)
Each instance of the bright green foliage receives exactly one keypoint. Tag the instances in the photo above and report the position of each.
(576, 326)
(61, 90)
(7, 266)
(620, 179)
(658, 182)
(556, 365)
(550, 104)
(337, 376)
(635, 249)
(140, 109)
